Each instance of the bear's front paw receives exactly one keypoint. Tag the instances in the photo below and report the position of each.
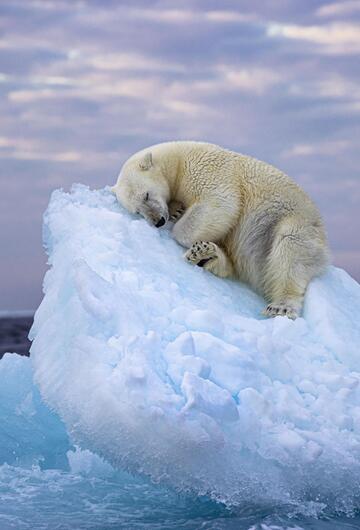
(282, 309)
(201, 252)
(176, 210)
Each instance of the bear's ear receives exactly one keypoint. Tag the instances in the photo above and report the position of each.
(146, 162)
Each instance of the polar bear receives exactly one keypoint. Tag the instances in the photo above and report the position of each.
(237, 216)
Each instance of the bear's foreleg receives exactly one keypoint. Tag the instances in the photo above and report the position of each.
(204, 221)
(210, 256)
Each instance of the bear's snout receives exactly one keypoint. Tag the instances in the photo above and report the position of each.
(161, 222)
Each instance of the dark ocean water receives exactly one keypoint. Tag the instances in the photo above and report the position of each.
(14, 334)
(71, 489)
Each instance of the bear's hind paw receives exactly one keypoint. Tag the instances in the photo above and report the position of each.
(281, 309)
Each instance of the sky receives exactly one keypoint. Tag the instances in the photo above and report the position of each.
(85, 84)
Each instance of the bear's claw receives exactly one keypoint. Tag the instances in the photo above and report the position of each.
(201, 252)
(176, 210)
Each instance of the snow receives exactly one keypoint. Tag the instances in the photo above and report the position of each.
(164, 370)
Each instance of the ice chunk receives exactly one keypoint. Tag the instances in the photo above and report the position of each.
(210, 398)
(163, 369)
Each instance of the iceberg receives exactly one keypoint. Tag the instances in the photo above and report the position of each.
(166, 371)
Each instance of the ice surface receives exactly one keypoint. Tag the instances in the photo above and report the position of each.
(165, 370)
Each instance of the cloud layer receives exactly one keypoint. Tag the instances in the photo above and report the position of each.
(86, 83)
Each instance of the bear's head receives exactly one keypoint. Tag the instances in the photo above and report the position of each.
(143, 189)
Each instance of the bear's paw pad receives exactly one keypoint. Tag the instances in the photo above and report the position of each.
(201, 252)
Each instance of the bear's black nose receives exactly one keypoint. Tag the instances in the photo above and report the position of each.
(160, 223)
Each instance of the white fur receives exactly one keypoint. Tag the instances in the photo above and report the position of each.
(265, 230)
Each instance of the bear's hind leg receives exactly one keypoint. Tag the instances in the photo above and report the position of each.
(210, 256)
(298, 253)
